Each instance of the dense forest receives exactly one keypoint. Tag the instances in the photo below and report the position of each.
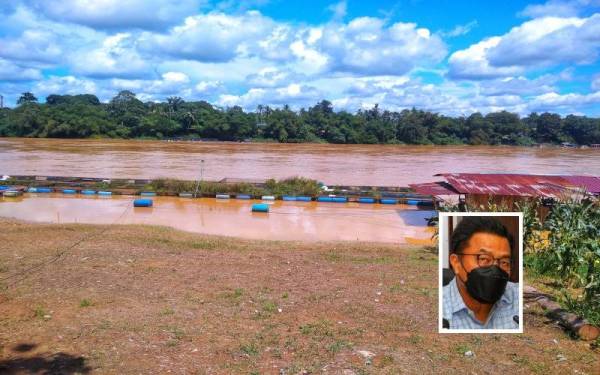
(125, 116)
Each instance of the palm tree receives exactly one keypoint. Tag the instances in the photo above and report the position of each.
(27, 97)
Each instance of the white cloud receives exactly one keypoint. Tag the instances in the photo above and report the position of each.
(460, 30)
(272, 76)
(11, 72)
(472, 63)
(552, 101)
(519, 86)
(32, 45)
(560, 8)
(116, 57)
(339, 9)
(213, 37)
(296, 95)
(537, 43)
(64, 85)
(117, 14)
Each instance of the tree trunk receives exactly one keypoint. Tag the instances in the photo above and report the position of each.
(572, 322)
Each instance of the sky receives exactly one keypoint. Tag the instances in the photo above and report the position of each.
(452, 57)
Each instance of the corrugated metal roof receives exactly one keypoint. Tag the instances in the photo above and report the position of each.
(590, 183)
(434, 188)
(507, 184)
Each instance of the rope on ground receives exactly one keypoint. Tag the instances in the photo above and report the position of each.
(23, 274)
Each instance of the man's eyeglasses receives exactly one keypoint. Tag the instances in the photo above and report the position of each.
(486, 260)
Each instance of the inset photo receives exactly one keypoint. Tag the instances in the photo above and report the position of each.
(481, 272)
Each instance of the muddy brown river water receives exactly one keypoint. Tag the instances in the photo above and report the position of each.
(380, 165)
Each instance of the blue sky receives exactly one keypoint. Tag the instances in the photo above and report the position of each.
(452, 57)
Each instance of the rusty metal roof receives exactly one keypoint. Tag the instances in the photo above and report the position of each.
(434, 188)
(507, 184)
(591, 184)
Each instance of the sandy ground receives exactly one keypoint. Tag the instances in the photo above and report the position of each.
(141, 299)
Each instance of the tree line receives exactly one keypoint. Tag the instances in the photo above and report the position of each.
(125, 116)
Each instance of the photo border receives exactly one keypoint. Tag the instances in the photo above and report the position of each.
(441, 231)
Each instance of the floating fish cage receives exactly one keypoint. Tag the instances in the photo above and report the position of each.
(260, 207)
(142, 202)
(366, 200)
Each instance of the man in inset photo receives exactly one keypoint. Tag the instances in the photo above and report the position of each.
(480, 296)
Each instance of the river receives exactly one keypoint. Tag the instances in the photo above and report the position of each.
(374, 165)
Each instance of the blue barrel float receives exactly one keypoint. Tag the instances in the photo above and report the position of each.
(43, 190)
(339, 199)
(143, 202)
(243, 196)
(88, 192)
(4, 187)
(303, 199)
(32, 190)
(148, 194)
(105, 193)
(324, 199)
(388, 201)
(69, 191)
(260, 207)
(289, 198)
(366, 200)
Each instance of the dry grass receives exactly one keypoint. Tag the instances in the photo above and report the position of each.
(142, 299)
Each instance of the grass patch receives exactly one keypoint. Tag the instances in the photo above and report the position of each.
(40, 312)
(249, 349)
(85, 303)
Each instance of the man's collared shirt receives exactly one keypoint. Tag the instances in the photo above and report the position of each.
(501, 316)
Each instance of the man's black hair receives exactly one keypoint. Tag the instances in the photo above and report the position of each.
(469, 225)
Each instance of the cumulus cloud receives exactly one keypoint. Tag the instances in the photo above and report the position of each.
(32, 46)
(117, 14)
(272, 77)
(212, 37)
(116, 57)
(571, 102)
(537, 43)
(64, 85)
(12, 72)
(519, 86)
(295, 94)
(367, 45)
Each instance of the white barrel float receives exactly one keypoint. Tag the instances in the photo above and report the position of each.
(260, 207)
(268, 197)
(12, 193)
(186, 195)
(222, 196)
(143, 202)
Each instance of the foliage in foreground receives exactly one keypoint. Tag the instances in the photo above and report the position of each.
(565, 247)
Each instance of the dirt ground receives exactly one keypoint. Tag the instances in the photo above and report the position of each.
(140, 299)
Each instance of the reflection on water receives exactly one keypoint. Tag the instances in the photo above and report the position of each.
(377, 165)
(308, 221)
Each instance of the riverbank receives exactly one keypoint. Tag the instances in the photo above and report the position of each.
(145, 299)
